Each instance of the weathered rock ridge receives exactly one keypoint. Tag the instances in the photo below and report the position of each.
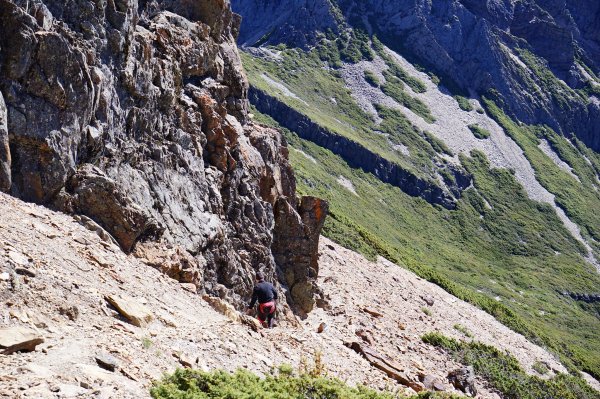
(358, 156)
(134, 114)
(474, 44)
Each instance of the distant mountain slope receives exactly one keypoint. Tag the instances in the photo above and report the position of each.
(541, 57)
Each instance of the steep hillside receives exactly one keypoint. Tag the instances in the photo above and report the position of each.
(541, 57)
(517, 232)
(56, 275)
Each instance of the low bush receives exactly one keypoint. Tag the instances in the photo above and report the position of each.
(479, 132)
(504, 373)
(371, 78)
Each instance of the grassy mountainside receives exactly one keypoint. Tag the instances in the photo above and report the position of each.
(500, 250)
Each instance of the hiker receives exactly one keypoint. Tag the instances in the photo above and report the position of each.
(266, 295)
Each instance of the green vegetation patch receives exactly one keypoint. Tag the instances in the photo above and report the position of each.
(464, 103)
(350, 46)
(579, 199)
(396, 70)
(497, 243)
(505, 374)
(323, 97)
(371, 78)
(393, 87)
(284, 384)
(479, 132)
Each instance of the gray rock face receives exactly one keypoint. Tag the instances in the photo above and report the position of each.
(294, 22)
(470, 43)
(134, 113)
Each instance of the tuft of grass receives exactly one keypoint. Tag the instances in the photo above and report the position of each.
(540, 368)
(479, 132)
(464, 103)
(464, 330)
(438, 145)
(147, 343)
(371, 78)
(504, 373)
(426, 311)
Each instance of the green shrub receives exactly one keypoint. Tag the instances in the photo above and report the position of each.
(464, 103)
(504, 373)
(479, 132)
(284, 384)
(371, 78)
(464, 330)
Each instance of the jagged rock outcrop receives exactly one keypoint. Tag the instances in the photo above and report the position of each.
(475, 45)
(360, 157)
(134, 114)
(5, 180)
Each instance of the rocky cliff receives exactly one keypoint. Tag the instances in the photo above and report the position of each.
(540, 57)
(134, 114)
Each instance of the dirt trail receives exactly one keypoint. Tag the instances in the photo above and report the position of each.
(73, 270)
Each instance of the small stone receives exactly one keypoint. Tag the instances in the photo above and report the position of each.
(107, 362)
(4, 276)
(15, 339)
(18, 258)
(321, 328)
(223, 307)
(72, 312)
(372, 312)
(70, 391)
(428, 299)
(189, 287)
(186, 360)
(23, 271)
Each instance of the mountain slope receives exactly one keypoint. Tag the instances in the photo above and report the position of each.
(72, 270)
(541, 57)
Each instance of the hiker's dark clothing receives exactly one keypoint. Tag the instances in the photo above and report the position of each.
(266, 295)
(263, 292)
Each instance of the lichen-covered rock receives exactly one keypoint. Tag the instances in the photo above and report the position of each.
(134, 114)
